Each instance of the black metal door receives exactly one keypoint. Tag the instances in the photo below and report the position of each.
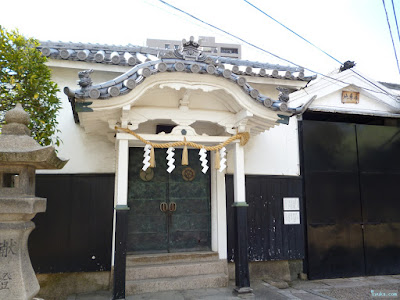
(350, 175)
(334, 222)
(379, 164)
(168, 212)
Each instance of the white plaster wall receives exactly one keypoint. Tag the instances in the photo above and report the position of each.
(274, 152)
(86, 153)
(373, 101)
(333, 103)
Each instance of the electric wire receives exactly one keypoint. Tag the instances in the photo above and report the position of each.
(391, 36)
(366, 79)
(304, 39)
(230, 34)
(274, 55)
(395, 18)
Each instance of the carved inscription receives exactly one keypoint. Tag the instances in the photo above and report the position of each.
(5, 279)
(8, 247)
(350, 97)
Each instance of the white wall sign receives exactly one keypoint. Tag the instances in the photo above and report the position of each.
(291, 204)
(291, 217)
(291, 211)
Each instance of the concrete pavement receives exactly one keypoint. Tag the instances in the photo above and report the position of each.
(357, 288)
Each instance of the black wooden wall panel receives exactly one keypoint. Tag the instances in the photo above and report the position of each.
(269, 238)
(75, 232)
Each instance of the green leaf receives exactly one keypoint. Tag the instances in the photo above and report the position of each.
(28, 81)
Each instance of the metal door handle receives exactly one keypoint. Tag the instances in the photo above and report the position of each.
(163, 206)
(172, 206)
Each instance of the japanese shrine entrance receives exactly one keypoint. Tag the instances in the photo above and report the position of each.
(170, 212)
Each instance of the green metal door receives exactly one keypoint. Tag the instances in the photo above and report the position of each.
(168, 212)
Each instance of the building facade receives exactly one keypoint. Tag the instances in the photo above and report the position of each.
(186, 95)
(349, 145)
(207, 45)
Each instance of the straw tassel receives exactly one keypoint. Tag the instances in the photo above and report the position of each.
(152, 158)
(185, 160)
(217, 164)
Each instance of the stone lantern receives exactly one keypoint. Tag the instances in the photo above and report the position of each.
(20, 156)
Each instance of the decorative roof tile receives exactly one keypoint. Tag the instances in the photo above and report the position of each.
(149, 61)
(129, 56)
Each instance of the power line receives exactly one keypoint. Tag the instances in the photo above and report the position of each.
(366, 79)
(232, 35)
(304, 39)
(274, 55)
(395, 18)
(391, 36)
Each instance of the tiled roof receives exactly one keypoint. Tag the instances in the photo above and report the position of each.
(392, 86)
(129, 56)
(147, 61)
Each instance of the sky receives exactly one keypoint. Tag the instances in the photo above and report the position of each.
(355, 30)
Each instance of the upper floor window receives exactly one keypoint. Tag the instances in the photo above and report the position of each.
(209, 49)
(229, 50)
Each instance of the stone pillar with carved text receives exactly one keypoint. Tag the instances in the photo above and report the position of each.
(20, 156)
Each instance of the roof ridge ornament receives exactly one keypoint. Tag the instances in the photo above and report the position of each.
(347, 65)
(190, 51)
(283, 94)
(84, 79)
(191, 43)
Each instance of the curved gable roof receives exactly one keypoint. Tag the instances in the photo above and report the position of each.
(189, 59)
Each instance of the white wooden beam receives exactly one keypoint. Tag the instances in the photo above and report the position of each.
(239, 176)
(121, 184)
(121, 173)
(219, 239)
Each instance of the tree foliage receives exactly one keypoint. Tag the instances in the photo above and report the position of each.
(25, 78)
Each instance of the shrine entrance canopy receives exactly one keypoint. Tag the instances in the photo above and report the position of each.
(193, 93)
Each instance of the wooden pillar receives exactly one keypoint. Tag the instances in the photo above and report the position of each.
(218, 211)
(120, 219)
(242, 276)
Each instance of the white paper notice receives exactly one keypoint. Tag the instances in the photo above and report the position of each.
(291, 204)
(291, 217)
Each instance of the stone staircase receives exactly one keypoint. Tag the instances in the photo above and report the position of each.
(174, 271)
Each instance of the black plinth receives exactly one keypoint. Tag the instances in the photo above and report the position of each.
(121, 225)
(242, 276)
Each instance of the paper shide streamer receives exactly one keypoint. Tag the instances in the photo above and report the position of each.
(220, 151)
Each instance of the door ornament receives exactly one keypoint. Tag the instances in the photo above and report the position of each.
(147, 175)
(164, 206)
(172, 206)
(188, 174)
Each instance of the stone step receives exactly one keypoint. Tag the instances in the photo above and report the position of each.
(161, 258)
(176, 269)
(176, 283)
